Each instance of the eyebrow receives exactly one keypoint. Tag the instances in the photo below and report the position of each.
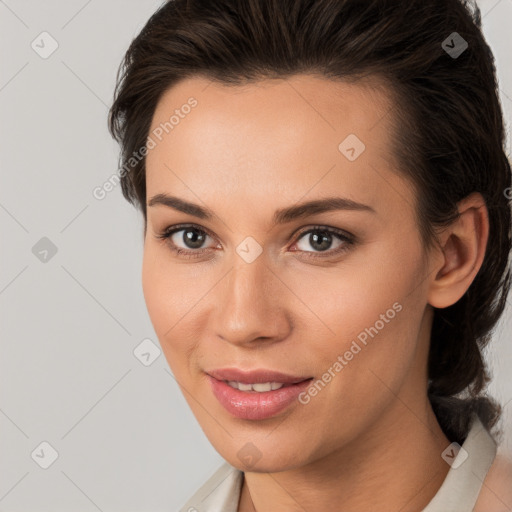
(281, 216)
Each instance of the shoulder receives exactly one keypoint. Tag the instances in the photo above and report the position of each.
(496, 492)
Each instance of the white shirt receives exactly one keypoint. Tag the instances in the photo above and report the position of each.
(458, 492)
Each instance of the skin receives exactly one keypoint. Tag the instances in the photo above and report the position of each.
(496, 492)
(369, 440)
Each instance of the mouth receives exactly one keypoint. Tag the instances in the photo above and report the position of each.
(252, 377)
(256, 394)
(256, 387)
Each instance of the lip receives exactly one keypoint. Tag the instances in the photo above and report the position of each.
(253, 405)
(255, 376)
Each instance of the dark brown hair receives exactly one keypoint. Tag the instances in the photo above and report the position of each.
(448, 129)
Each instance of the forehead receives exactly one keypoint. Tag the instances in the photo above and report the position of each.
(284, 137)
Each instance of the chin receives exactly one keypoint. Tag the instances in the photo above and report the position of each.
(264, 459)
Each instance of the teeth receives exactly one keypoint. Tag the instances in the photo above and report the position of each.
(259, 387)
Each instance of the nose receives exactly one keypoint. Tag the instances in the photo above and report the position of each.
(250, 306)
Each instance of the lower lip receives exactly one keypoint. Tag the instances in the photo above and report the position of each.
(252, 405)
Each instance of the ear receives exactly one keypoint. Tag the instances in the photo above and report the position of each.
(461, 252)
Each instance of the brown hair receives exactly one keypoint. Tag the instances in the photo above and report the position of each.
(448, 138)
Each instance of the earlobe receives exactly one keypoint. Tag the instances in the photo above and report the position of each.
(462, 251)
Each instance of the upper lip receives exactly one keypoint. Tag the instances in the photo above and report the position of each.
(254, 376)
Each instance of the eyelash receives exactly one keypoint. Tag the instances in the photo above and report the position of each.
(348, 240)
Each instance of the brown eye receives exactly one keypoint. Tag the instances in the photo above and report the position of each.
(321, 240)
(186, 240)
(192, 238)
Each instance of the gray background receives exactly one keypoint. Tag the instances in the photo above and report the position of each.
(125, 438)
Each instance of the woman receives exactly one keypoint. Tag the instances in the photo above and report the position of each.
(327, 232)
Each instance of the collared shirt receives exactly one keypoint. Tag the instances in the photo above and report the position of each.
(458, 492)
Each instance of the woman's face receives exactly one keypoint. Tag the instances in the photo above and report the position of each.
(337, 295)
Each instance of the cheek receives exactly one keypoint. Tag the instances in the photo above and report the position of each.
(166, 301)
(367, 327)
(173, 299)
(362, 367)
(367, 315)
(168, 292)
(155, 286)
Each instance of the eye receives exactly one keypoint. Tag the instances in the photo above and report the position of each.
(321, 239)
(185, 240)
